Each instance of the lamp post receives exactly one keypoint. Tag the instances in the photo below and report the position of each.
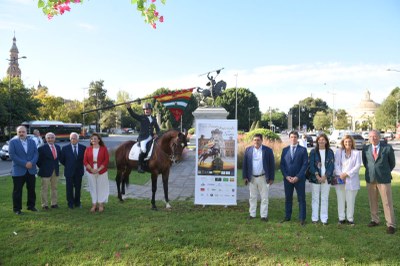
(249, 108)
(299, 118)
(12, 60)
(397, 114)
(270, 118)
(236, 75)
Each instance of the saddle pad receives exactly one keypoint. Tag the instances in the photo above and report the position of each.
(135, 151)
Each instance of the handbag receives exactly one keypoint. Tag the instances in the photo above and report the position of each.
(336, 180)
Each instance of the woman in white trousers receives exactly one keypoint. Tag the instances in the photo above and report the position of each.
(347, 167)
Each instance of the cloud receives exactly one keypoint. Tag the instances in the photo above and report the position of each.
(86, 26)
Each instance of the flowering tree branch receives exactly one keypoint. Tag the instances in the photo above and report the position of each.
(147, 8)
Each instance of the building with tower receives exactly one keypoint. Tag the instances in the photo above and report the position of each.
(13, 70)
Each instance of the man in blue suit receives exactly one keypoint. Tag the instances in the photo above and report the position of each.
(24, 155)
(48, 164)
(294, 161)
(259, 173)
(72, 159)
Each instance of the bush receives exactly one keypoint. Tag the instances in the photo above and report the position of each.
(276, 146)
(266, 133)
(191, 131)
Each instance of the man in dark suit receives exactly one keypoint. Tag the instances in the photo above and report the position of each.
(379, 161)
(259, 173)
(72, 159)
(48, 164)
(148, 124)
(24, 155)
(294, 161)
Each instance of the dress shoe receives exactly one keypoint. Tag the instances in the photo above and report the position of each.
(55, 206)
(32, 209)
(342, 222)
(264, 219)
(46, 208)
(390, 230)
(350, 223)
(18, 212)
(325, 223)
(250, 217)
(70, 206)
(302, 222)
(285, 220)
(315, 222)
(372, 224)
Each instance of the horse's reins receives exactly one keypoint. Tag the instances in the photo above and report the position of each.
(173, 147)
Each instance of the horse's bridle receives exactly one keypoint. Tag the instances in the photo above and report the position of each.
(174, 146)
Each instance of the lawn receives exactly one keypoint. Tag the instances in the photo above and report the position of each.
(130, 233)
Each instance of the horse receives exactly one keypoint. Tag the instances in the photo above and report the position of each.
(168, 149)
(214, 152)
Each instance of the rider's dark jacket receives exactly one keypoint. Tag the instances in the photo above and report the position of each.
(146, 128)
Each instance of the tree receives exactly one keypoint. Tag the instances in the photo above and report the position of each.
(341, 120)
(246, 100)
(50, 105)
(307, 109)
(20, 104)
(386, 114)
(97, 99)
(321, 121)
(148, 10)
(279, 119)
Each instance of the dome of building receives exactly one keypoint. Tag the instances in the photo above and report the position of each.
(367, 104)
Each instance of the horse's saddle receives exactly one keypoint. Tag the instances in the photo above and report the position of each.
(135, 151)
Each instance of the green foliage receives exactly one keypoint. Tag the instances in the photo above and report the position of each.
(307, 109)
(257, 125)
(246, 99)
(253, 126)
(266, 133)
(192, 131)
(341, 120)
(321, 121)
(279, 119)
(385, 115)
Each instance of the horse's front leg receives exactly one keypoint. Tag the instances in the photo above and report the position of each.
(118, 181)
(165, 177)
(153, 190)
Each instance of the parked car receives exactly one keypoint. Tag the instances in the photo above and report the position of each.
(310, 142)
(359, 141)
(388, 136)
(313, 136)
(4, 155)
(365, 134)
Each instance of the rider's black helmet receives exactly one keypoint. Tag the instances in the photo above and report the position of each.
(147, 106)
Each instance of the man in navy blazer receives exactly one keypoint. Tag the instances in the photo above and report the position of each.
(48, 164)
(259, 172)
(73, 169)
(294, 161)
(24, 155)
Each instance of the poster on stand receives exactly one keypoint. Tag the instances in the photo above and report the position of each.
(216, 159)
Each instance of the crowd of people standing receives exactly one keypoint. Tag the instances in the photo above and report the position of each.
(323, 168)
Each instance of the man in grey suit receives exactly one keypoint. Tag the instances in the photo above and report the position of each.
(24, 155)
(379, 161)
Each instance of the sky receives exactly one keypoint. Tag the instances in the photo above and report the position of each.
(282, 51)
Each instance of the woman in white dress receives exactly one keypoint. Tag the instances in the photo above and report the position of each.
(96, 162)
(347, 167)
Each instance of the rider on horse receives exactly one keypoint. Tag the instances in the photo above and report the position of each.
(148, 124)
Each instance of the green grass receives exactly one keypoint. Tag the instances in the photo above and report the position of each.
(130, 233)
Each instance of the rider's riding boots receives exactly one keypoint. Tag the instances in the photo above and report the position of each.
(140, 163)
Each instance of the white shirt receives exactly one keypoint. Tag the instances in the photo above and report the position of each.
(257, 161)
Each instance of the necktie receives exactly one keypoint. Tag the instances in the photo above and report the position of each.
(375, 152)
(75, 152)
(292, 150)
(53, 151)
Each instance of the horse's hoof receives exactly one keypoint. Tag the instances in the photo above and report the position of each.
(168, 206)
(154, 208)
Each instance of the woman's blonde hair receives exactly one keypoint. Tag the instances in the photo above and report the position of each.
(353, 144)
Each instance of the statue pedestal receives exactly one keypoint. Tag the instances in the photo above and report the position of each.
(209, 113)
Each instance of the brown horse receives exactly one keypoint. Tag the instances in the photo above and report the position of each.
(168, 149)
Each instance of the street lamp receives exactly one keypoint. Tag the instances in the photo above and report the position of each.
(333, 106)
(12, 60)
(397, 114)
(270, 118)
(249, 108)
